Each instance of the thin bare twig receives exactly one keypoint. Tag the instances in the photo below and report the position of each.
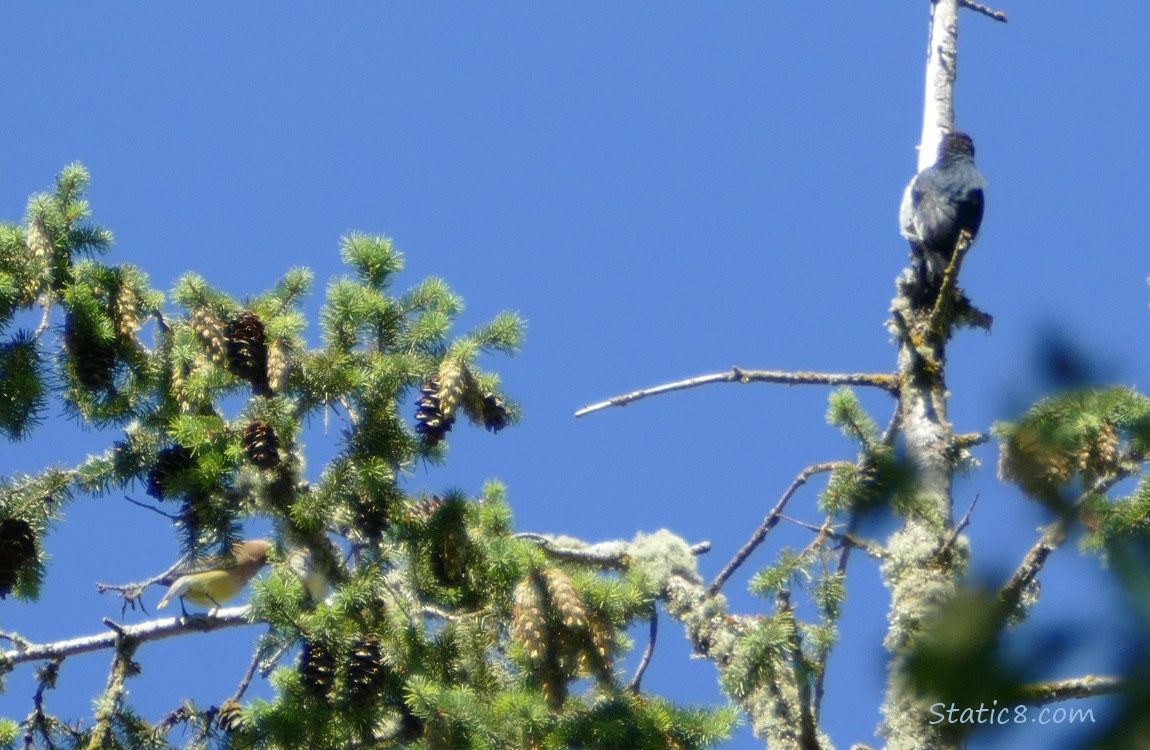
(248, 675)
(16, 638)
(1053, 536)
(848, 540)
(38, 720)
(882, 380)
(1040, 693)
(46, 318)
(769, 522)
(170, 516)
(985, 10)
(892, 427)
(971, 439)
(133, 592)
(962, 524)
(652, 636)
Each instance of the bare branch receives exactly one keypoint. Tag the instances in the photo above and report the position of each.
(700, 548)
(1040, 693)
(1053, 536)
(985, 10)
(893, 426)
(769, 522)
(652, 636)
(170, 516)
(133, 592)
(606, 554)
(962, 524)
(971, 439)
(152, 630)
(873, 549)
(610, 554)
(246, 680)
(46, 318)
(882, 380)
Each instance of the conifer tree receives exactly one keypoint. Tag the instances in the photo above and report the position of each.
(443, 627)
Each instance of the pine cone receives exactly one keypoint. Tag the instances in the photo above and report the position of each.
(261, 444)
(529, 618)
(494, 412)
(41, 251)
(566, 599)
(248, 352)
(125, 308)
(279, 365)
(17, 546)
(317, 670)
(425, 508)
(365, 670)
(230, 716)
(180, 373)
(210, 331)
(602, 643)
(1100, 453)
(39, 241)
(439, 401)
(170, 462)
(94, 362)
(430, 420)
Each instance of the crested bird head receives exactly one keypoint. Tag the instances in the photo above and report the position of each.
(955, 144)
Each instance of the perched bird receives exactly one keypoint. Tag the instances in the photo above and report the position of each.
(941, 203)
(214, 580)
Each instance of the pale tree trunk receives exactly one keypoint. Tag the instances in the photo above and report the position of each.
(918, 579)
(941, 69)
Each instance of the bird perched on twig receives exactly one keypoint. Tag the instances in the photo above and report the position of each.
(940, 204)
(214, 580)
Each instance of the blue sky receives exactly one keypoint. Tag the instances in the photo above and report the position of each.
(662, 192)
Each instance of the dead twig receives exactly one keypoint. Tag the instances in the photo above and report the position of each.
(769, 522)
(985, 10)
(882, 380)
(962, 524)
(1088, 686)
(652, 636)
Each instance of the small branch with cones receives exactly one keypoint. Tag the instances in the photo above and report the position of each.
(885, 381)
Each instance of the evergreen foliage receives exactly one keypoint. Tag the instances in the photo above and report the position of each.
(444, 629)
